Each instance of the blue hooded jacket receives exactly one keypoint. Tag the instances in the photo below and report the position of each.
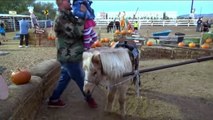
(2, 30)
(89, 14)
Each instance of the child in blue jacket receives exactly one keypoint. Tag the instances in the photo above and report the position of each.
(90, 36)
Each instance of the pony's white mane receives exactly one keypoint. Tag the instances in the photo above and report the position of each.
(115, 62)
(87, 57)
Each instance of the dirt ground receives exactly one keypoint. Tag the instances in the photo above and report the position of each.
(180, 93)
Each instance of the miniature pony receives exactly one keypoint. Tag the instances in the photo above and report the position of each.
(108, 65)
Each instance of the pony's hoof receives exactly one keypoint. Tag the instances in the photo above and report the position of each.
(107, 113)
(123, 117)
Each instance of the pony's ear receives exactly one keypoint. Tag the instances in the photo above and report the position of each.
(96, 59)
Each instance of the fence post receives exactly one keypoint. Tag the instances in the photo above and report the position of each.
(14, 24)
(45, 23)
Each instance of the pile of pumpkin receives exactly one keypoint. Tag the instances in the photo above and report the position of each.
(205, 45)
(120, 34)
(51, 36)
(103, 42)
(123, 32)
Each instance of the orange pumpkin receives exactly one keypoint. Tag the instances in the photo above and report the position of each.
(180, 44)
(21, 77)
(96, 44)
(102, 40)
(209, 40)
(106, 40)
(117, 32)
(93, 45)
(123, 32)
(192, 45)
(51, 37)
(130, 31)
(205, 46)
(149, 43)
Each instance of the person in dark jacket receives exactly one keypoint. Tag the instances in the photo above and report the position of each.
(2, 32)
(199, 25)
(206, 26)
(24, 32)
(70, 50)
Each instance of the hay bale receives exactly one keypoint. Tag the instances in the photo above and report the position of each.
(36, 39)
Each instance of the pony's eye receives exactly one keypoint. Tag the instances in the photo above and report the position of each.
(94, 73)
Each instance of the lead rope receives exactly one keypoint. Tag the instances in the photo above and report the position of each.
(137, 82)
(114, 85)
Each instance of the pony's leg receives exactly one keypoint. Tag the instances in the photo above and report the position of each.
(110, 100)
(122, 98)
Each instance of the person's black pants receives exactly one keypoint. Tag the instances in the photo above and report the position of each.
(22, 37)
(198, 28)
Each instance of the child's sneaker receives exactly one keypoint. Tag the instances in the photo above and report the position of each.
(91, 102)
(56, 104)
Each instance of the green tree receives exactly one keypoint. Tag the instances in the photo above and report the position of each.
(39, 10)
(21, 7)
(14, 5)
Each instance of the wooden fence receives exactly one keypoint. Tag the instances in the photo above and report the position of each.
(147, 22)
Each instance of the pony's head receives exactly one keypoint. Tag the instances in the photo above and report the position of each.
(93, 70)
(105, 64)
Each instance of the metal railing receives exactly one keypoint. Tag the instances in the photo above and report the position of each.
(14, 25)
